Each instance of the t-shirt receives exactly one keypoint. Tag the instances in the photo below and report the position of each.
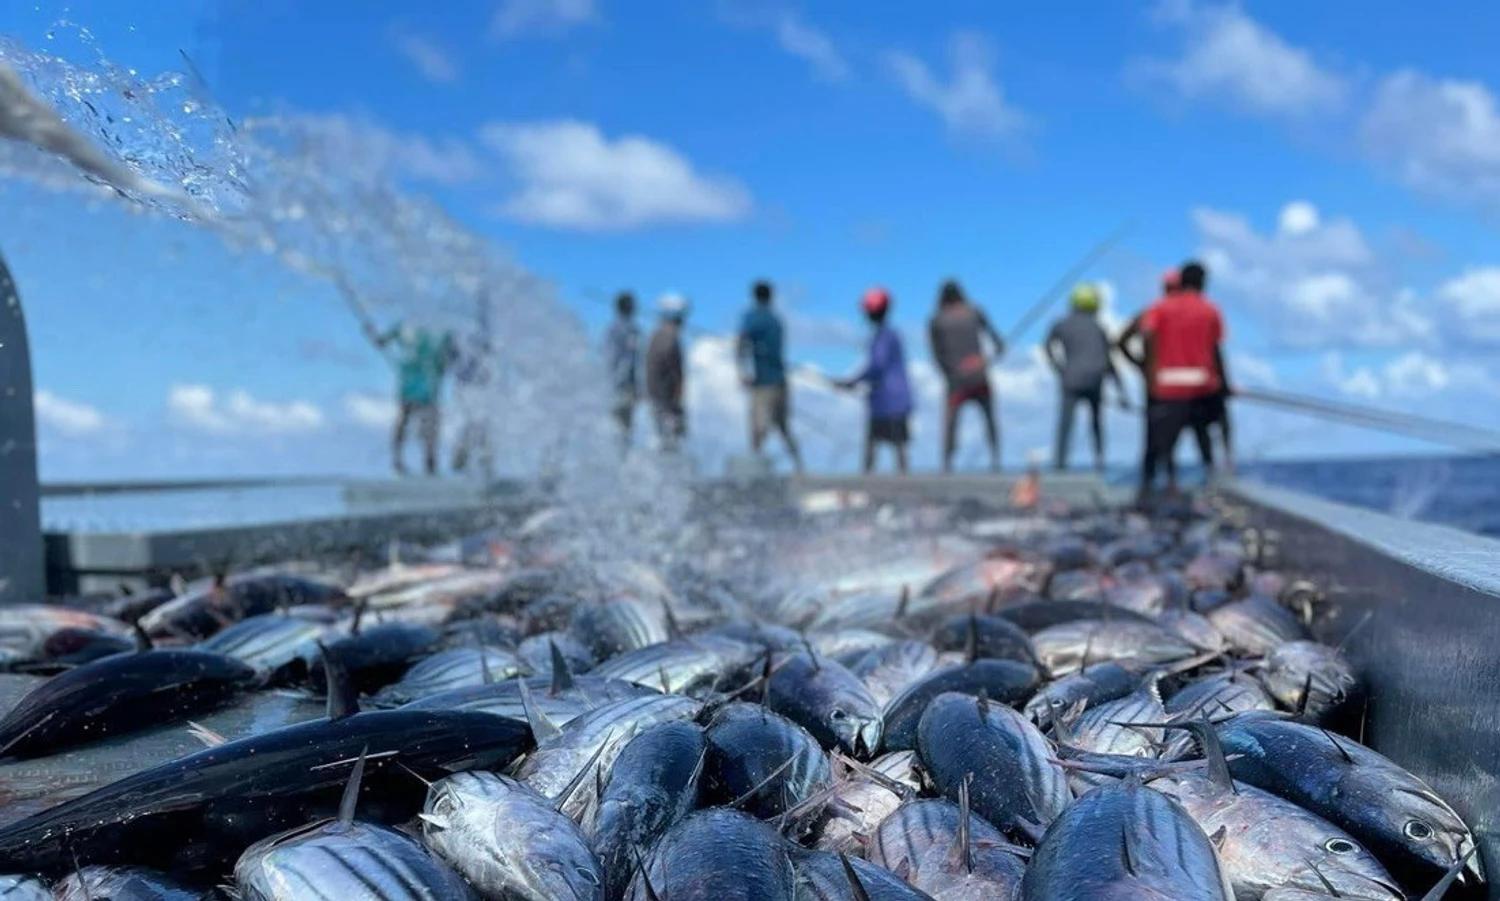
(956, 348)
(761, 332)
(1185, 328)
(1085, 351)
(890, 393)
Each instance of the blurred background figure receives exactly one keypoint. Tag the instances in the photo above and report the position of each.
(958, 350)
(1079, 352)
(1185, 370)
(421, 358)
(473, 395)
(761, 353)
(885, 373)
(664, 372)
(622, 348)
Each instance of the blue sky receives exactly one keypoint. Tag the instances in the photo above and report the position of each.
(1337, 164)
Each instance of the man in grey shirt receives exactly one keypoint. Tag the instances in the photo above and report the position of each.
(622, 349)
(1080, 353)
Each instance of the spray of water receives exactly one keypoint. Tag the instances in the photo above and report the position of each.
(330, 197)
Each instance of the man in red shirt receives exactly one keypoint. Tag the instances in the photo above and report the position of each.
(1185, 367)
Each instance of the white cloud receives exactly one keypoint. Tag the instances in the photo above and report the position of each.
(1229, 56)
(571, 176)
(1313, 282)
(805, 42)
(67, 417)
(1437, 135)
(431, 61)
(520, 18)
(972, 103)
(370, 411)
(200, 408)
(1298, 218)
(1471, 302)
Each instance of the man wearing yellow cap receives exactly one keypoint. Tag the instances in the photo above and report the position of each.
(1080, 353)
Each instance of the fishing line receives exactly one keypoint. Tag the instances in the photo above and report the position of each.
(1453, 434)
(1043, 303)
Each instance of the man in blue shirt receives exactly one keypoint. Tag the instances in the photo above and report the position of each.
(763, 370)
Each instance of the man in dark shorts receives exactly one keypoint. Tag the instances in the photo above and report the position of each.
(1184, 332)
(1079, 352)
(885, 373)
(955, 334)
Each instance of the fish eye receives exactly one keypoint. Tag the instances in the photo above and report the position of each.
(1340, 846)
(838, 713)
(1417, 830)
(587, 875)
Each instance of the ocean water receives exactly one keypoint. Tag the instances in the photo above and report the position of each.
(1459, 491)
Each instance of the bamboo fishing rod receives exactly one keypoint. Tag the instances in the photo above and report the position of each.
(1452, 434)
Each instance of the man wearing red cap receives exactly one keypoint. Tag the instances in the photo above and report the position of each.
(885, 373)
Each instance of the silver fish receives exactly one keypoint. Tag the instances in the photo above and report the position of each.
(1255, 625)
(133, 883)
(336, 861)
(1067, 647)
(24, 888)
(447, 670)
(508, 841)
(946, 852)
(1124, 841)
(591, 743)
(887, 671)
(1308, 676)
(25, 628)
(681, 666)
(828, 701)
(270, 642)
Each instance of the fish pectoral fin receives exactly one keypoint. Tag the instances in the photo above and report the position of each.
(437, 823)
(209, 737)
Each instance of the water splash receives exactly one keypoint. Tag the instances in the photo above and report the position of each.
(332, 197)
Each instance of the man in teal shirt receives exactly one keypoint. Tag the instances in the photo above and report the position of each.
(763, 370)
(421, 359)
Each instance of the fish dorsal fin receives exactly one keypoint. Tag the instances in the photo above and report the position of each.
(640, 867)
(1218, 837)
(765, 680)
(360, 607)
(485, 672)
(1152, 687)
(904, 602)
(1088, 649)
(562, 677)
(755, 789)
(542, 729)
(856, 888)
(1213, 753)
(812, 655)
(674, 628)
(666, 681)
(350, 799)
(971, 644)
(1303, 698)
(577, 780)
(143, 640)
(343, 697)
(963, 847)
(1437, 892)
(1364, 716)
(1129, 857)
(1336, 746)
(982, 705)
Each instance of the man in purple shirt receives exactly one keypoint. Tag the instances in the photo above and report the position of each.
(885, 373)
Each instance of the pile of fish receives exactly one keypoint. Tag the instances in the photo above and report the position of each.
(1098, 705)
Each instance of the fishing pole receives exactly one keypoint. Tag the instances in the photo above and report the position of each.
(1045, 301)
(1453, 434)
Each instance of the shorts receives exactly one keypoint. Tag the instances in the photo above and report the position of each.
(1208, 410)
(623, 407)
(769, 406)
(978, 393)
(889, 429)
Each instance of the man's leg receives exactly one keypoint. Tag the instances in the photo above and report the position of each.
(991, 428)
(783, 410)
(950, 428)
(901, 457)
(1095, 401)
(398, 437)
(429, 423)
(869, 458)
(760, 415)
(1065, 404)
(461, 448)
